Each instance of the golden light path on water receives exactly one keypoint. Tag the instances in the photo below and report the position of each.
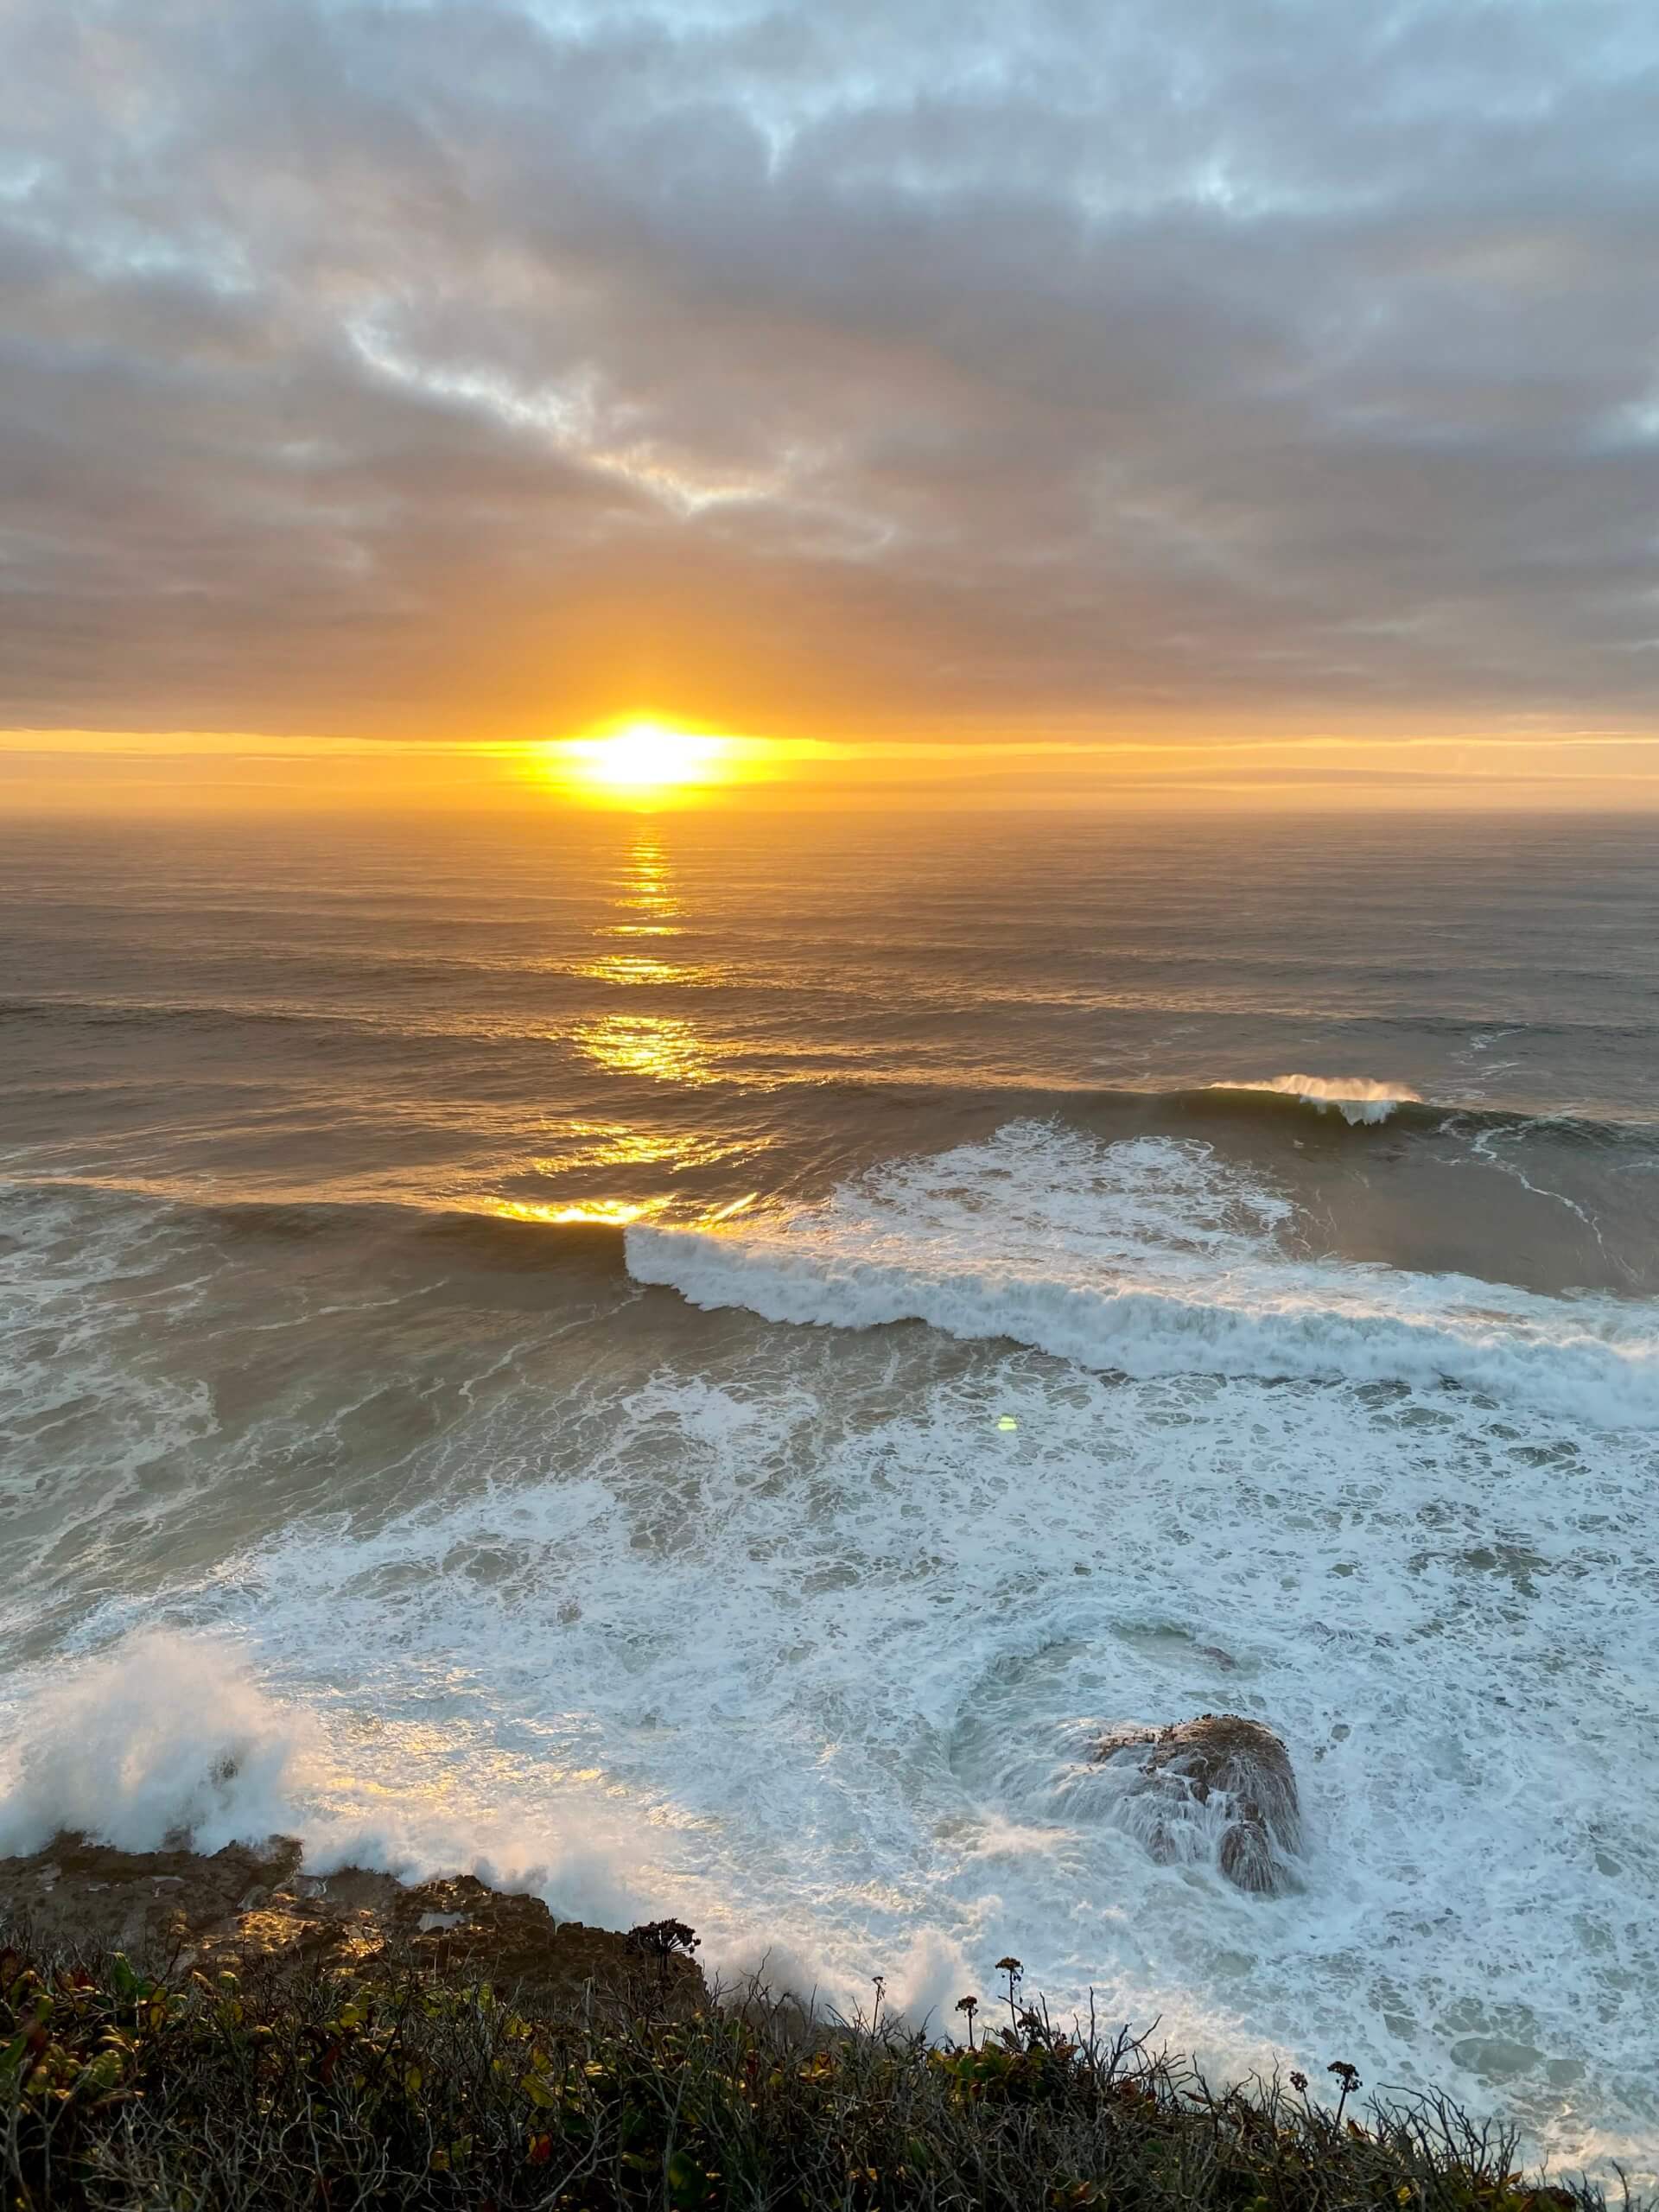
(631, 967)
(660, 1049)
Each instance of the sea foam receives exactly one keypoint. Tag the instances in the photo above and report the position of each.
(167, 1738)
(805, 1634)
(1150, 1257)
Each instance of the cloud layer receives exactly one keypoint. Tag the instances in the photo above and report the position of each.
(895, 364)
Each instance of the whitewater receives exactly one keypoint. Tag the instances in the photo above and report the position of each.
(724, 1434)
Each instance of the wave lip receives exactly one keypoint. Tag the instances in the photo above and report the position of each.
(1359, 1100)
(1151, 1258)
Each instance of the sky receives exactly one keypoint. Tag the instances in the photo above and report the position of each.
(1252, 395)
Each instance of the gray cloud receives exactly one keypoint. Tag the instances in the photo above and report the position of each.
(382, 367)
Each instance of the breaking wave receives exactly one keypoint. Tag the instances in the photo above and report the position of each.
(1359, 1100)
(165, 1741)
(169, 1738)
(1151, 1257)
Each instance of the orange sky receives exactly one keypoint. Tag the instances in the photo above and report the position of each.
(100, 772)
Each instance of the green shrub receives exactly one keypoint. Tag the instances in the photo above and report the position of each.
(291, 2086)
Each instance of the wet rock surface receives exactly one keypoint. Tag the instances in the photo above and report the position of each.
(1222, 1763)
(231, 1907)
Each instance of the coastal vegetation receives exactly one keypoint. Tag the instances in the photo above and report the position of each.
(297, 2079)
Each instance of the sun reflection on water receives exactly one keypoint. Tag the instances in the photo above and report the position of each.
(648, 889)
(664, 1047)
(632, 968)
(611, 1213)
(608, 1213)
(609, 1171)
(656, 1045)
(599, 1145)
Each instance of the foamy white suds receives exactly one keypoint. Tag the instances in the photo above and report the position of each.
(1150, 1257)
(805, 1634)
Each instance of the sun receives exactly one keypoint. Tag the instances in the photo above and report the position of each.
(642, 760)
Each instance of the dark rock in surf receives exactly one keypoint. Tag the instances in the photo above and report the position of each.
(1223, 1763)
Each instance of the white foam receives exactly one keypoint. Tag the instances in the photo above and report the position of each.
(1359, 1100)
(810, 1652)
(784, 1631)
(168, 1737)
(1149, 1257)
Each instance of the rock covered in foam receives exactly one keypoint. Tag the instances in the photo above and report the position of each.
(1221, 1779)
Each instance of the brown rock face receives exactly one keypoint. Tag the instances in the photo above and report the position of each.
(1219, 1755)
(239, 1904)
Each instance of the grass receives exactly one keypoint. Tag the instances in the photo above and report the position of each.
(294, 2085)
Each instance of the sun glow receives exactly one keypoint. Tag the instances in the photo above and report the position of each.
(642, 760)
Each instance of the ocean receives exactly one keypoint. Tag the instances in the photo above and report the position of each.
(693, 1362)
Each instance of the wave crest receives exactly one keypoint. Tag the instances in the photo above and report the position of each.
(1150, 1257)
(1357, 1098)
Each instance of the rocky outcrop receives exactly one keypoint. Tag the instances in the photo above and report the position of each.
(1220, 1782)
(239, 1904)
